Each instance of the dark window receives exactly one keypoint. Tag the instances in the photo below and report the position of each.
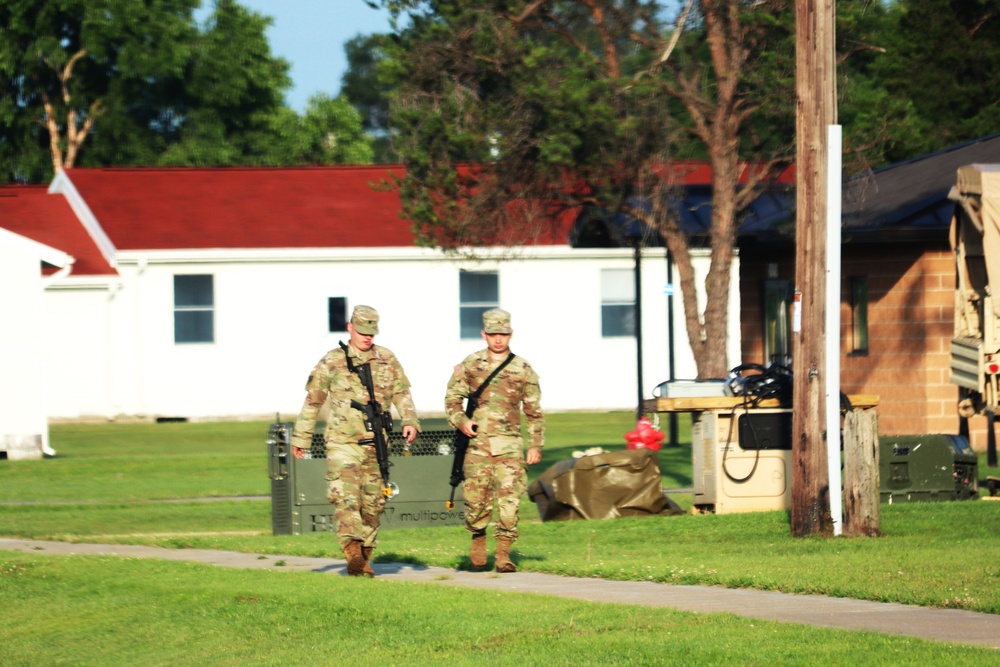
(777, 332)
(337, 313)
(859, 314)
(617, 303)
(477, 293)
(194, 309)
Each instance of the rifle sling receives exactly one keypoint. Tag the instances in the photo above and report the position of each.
(461, 441)
(354, 369)
(474, 396)
(373, 412)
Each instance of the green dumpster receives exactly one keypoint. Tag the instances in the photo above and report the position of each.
(927, 468)
(421, 472)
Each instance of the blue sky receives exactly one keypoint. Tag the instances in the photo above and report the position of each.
(310, 35)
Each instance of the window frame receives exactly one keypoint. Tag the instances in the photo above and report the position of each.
(622, 323)
(859, 316)
(470, 310)
(191, 334)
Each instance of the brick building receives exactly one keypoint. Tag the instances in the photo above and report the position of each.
(897, 292)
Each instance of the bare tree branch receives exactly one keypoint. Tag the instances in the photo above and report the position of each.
(862, 48)
(74, 136)
(50, 124)
(676, 36)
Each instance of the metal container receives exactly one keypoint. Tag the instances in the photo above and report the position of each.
(420, 471)
(931, 467)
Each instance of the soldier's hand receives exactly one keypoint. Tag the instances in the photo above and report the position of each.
(469, 428)
(298, 452)
(534, 456)
(410, 433)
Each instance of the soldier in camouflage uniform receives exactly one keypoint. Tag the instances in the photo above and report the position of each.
(495, 461)
(355, 488)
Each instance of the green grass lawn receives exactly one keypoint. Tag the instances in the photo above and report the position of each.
(136, 483)
(103, 612)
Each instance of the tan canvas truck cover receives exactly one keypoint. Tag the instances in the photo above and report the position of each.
(975, 240)
(602, 486)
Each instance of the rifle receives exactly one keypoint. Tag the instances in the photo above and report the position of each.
(461, 441)
(377, 420)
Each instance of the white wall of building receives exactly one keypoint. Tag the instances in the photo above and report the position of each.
(271, 328)
(25, 383)
(87, 348)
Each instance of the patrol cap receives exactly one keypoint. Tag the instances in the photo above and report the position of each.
(496, 321)
(365, 320)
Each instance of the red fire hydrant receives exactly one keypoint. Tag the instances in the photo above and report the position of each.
(645, 436)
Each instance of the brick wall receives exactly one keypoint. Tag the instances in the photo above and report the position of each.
(910, 323)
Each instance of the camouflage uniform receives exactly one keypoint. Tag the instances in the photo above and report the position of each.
(355, 481)
(494, 463)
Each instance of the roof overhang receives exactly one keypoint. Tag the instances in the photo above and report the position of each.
(44, 253)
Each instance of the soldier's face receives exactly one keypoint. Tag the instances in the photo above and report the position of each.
(498, 343)
(360, 341)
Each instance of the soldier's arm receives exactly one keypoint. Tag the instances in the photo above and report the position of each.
(458, 389)
(531, 404)
(403, 399)
(317, 389)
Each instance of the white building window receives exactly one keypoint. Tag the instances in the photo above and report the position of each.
(617, 303)
(477, 293)
(194, 309)
(336, 313)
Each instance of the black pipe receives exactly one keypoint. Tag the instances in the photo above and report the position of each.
(670, 346)
(638, 324)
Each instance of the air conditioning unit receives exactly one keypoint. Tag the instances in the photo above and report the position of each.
(742, 460)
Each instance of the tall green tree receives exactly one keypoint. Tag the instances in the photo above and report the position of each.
(369, 92)
(231, 109)
(943, 56)
(66, 64)
(567, 104)
(332, 132)
(130, 82)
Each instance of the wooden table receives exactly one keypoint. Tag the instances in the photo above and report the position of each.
(700, 403)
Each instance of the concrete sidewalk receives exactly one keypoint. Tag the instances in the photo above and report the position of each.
(946, 625)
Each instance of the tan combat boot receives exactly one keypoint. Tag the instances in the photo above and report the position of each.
(503, 561)
(367, 569)
(355, 559)
(477, 553)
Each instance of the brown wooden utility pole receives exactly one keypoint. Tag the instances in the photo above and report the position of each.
(816, 108)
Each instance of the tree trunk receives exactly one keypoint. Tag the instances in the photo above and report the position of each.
(713, 361)
(717, 120)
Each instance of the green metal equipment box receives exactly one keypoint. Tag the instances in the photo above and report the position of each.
(421, 471)
(927, 468)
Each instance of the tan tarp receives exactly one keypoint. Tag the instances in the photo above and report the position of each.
(603, 486)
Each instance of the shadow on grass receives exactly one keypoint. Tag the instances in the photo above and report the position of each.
(327, 569)
(390, 562)
(387, 558)
(395, 565)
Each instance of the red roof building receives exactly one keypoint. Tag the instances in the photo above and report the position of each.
(33, 213)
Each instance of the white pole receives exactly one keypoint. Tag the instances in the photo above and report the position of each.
(832, 323)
